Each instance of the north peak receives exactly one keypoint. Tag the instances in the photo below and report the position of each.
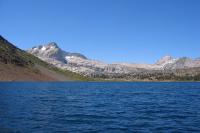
(53, 44)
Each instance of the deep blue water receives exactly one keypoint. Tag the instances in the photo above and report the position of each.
(99, 107)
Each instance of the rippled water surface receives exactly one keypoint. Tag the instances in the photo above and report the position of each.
(99, 107)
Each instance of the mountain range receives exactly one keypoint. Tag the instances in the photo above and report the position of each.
(50, 63)
(19, 65)
(78, 63)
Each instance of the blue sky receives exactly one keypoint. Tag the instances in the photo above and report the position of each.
(138, 31)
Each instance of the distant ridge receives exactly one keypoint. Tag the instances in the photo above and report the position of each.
(78, 63)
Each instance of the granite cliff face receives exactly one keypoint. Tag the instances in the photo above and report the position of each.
(50, 51)
(78, 63)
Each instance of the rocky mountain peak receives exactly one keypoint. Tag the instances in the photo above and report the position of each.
(52, 51)
(164, 60)
(51, 45)
(167, 57)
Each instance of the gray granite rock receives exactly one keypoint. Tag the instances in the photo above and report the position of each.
(78, 63)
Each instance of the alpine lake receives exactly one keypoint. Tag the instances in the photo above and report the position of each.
(104, 107)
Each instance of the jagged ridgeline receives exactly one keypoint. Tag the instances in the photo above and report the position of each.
(167, 68)
(50, 63)
(13, 60)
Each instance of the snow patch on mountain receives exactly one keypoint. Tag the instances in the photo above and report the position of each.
(43, 48)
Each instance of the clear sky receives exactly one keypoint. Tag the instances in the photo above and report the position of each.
(138, 31)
